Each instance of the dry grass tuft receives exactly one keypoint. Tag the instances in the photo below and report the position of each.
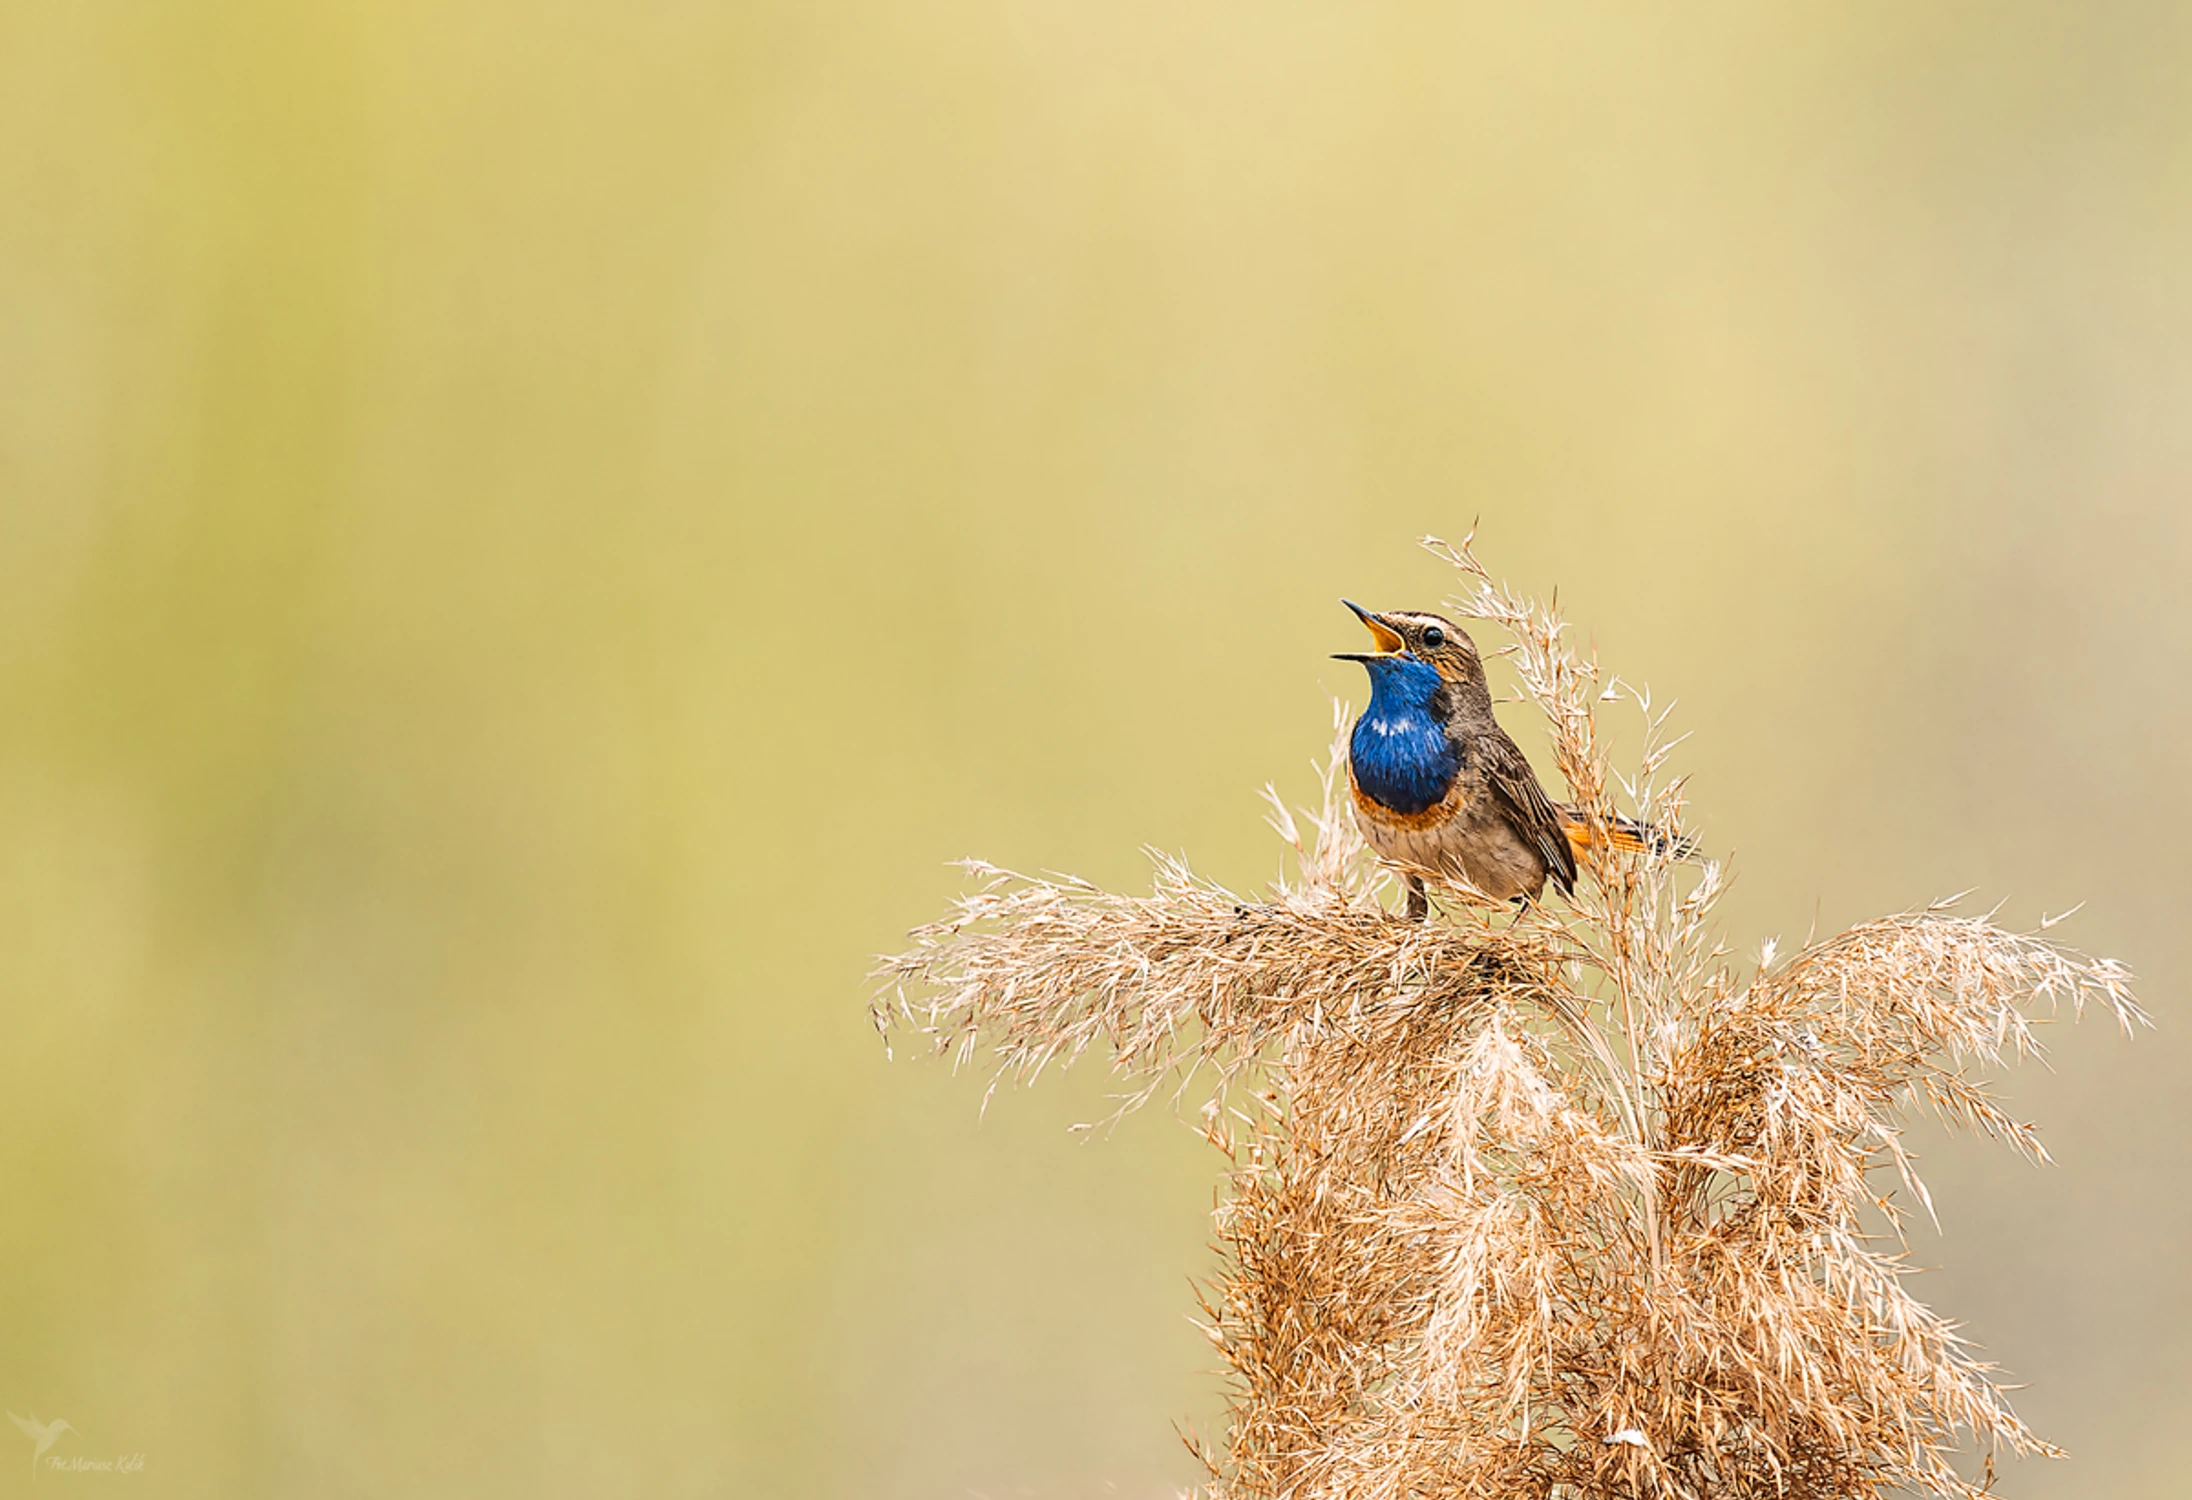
(1549, 1204)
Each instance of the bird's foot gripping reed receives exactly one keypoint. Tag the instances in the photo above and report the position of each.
(1538, 1199)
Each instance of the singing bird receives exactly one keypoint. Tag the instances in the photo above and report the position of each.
(1438, 785)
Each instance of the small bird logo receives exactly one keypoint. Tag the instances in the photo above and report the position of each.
(44, 1434)
(1438, 785)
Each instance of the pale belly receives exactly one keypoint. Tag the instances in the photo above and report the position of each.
(1460, 836)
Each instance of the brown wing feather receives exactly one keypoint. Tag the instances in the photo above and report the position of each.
(1514, 787)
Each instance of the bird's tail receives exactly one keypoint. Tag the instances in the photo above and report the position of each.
(1629, 835)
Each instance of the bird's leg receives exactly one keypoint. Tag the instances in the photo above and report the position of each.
(1419, 901)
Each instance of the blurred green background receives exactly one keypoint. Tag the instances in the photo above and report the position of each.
(529, 533)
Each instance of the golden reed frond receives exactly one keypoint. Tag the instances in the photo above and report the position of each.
(1551, 1203)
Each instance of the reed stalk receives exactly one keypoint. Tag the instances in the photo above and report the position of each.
(1557, 1202)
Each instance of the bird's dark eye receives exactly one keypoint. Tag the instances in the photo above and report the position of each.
(1433, 636)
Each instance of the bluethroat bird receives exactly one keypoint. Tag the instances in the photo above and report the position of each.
(1438, 785)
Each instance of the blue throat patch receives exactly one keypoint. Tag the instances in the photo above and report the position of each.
(1400, 750)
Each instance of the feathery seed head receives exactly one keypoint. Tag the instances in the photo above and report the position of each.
(1551, 1203)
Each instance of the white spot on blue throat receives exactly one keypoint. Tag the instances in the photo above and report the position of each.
(1400, 751)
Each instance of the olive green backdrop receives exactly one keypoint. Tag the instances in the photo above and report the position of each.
(530, 533)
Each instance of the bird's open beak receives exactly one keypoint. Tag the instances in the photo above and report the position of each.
(1388, 639)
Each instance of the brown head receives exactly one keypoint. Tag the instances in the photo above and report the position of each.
(1428, 638)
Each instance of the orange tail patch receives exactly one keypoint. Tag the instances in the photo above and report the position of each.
(1627, 835)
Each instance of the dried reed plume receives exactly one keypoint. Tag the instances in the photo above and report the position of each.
(1549, 1203)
